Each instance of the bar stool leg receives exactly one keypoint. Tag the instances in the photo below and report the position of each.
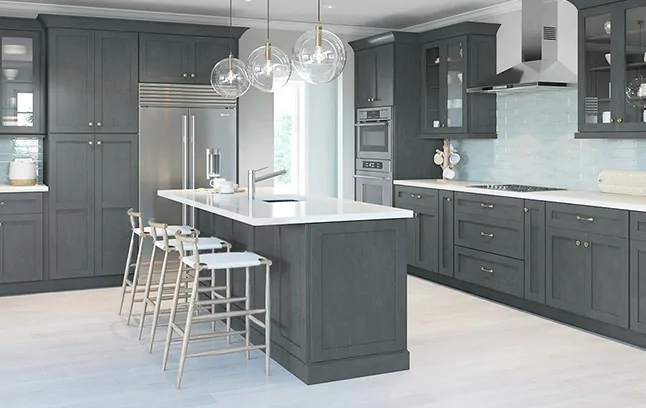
(187, 329)
(173, 313)
(135, 278)
(213, 295)
(149, 280)
(158, 301)
(126, 272)
(228, 305)
(247, 294)
(267, 320)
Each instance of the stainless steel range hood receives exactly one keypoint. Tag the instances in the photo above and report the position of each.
(540, 68)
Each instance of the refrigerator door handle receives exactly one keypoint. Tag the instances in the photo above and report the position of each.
(184, 163)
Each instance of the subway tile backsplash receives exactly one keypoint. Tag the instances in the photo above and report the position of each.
(536, 145)
(20, 147)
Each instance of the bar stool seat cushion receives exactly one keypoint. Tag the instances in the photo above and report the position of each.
(204, 244)
(171, 230)
(225, 260)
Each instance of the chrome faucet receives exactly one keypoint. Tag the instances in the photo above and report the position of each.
(252, 179)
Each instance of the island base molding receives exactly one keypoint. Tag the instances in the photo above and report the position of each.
(560, 316)
(60, 285)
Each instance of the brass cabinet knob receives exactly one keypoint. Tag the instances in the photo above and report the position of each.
(620, 120)
(578, 243)
(586, 244)
(185, 75)
(192, 75)
(612, 120)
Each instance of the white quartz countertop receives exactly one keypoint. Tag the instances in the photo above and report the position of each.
(311, 208)
(579, 197)
(8, 188)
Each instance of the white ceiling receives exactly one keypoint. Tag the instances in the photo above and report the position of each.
(386, 14)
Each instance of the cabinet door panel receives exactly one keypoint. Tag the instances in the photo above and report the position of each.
(164, 58)
(385, 69)
(366, 74)
(565, 270)
(638, 286)
(607, 279)
(434, 87)
(455, 95)
(427, 230)
(446, 234)
(630, 66)
(535, 251)
(71, 81)
(70, 172)
(117, 80)
(115, 192)
(21, 248)
(206, 53)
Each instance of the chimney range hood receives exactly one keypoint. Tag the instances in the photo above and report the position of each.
(540, 68)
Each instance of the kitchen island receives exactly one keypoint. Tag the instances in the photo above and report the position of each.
(338, 277)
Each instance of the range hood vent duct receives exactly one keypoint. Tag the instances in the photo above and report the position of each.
(540, 67)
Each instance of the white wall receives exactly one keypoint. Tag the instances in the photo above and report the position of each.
(329, 121)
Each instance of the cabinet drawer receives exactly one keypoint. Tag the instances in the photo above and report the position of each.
(502, 237)
(588, 219)
(412, 197)
(638, 226)
(21, 203)
(492, 271)
(490, 206)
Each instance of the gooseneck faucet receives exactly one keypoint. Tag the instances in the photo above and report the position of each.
(252, 179)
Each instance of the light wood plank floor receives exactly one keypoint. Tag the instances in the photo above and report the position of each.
(72, 350)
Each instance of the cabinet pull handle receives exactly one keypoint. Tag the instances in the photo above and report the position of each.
(416, 196)
(577, 243)
(192, 75)
(98, 143)
(98, 124)
(90, 124)
(1, 203)
(526, 209)
(185, 75)
(90, 143)
(578, 217)
(483, 269)
(620, 120)
(483, 205)
(0, 224)
(448, 199)
(586, 244)
(415, 214)
(612, 120)
(484, 234)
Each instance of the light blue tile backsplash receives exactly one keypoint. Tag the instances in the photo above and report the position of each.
(20, 147)
(536, 145)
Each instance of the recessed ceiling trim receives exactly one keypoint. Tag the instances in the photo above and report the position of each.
(475, 15)
(32, 10)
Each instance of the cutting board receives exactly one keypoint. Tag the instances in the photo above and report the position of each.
(622, 182)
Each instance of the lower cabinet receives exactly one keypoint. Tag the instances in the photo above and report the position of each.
(426, 249)
(587, 274)
(534, 250)
(21, 248)
(93, 182)
(638, 286)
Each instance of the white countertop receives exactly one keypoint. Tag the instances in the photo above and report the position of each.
(8, 188)
(579, 197)
(312, 209)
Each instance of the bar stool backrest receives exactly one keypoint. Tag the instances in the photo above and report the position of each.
(157, 226)
(190, 242)
(136, 216)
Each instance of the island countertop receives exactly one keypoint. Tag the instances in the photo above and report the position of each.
(309, 209)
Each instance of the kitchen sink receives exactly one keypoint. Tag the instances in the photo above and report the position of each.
(280, 198)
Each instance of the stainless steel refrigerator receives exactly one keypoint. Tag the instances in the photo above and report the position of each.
(177, 123)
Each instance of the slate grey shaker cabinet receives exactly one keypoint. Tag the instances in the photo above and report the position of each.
(169, 58)
(534, 219)
(610, 62)
(93, 83)
(453, 59)
(375, 71)
(93, 182)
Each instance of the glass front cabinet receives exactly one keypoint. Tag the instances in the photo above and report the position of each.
(21, 82)
(452, 61)
(612, 71)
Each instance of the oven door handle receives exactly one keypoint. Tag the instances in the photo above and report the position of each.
(385, 123)
(372, 177)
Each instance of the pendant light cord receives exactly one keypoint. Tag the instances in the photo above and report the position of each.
(319, 11)
(230, 27)
(267, 20)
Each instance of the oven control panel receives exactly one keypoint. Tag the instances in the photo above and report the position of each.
(381, 166)
(372, 165)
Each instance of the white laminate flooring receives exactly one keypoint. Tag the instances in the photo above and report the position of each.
(72, 350)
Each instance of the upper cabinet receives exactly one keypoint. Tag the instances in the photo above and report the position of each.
(92, 81)
(375, 69)
(453, 59)
(180, 59)
(22, 77)
(612, 70)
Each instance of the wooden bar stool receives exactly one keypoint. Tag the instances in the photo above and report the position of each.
(190, 267)
(138, 230)
(164, 291)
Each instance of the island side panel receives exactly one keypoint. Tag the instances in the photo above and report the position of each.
(358, 299)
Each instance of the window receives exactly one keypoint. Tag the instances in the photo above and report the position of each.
(288, 144)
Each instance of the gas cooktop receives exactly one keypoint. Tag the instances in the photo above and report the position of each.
(516, 188)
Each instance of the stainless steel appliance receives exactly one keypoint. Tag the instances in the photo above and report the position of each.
(517, 188)
(374, 133)
(179, 125)
(373, 182)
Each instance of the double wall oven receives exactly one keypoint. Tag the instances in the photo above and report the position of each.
(374, 147)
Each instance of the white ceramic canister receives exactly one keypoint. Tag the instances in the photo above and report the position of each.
(22, 172)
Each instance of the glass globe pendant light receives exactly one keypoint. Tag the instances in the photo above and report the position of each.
(319, 56)
(269, 67)
(229, 77)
